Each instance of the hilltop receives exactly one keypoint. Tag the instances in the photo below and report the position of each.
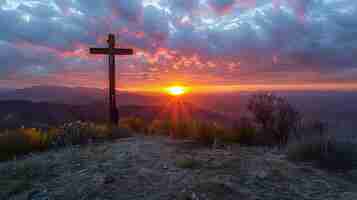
(144, 167)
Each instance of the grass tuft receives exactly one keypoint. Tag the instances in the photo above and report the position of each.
(330, 154)
(22, 141)
(187, 163)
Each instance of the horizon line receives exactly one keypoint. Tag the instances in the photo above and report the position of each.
(224, 88)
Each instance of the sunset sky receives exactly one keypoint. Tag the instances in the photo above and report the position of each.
(218, 45)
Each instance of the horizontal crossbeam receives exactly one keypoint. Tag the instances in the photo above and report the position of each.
(109, 51)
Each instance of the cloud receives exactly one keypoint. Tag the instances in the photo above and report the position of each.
(17, 59)
(228, 40)
(222, 6)
(129, 10)
(183, 5)
(156, 25)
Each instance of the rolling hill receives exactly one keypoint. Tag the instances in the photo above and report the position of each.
(16, 113)
(76, 95)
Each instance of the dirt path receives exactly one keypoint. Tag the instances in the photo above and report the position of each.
(159, 168)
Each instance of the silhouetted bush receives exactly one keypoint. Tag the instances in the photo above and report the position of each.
(22, 141)
(182, 129)
(244, 132)
(312, 128)
(203, 132)
(206, 133)
(83, 133)
(135, 124)
(275, 117)
(187, 163)
(326, 152)
(159, 127)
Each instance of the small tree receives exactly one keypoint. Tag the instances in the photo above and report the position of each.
(245, 132)
(262, 108)
(276, 117)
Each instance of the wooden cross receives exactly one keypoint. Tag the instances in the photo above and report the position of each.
(111, 52)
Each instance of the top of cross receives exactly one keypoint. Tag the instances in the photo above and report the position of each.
(111, 50)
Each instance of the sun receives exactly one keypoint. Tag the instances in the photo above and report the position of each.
(176, 90)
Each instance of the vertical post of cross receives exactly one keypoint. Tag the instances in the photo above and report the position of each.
(111, 51)
(113, 115)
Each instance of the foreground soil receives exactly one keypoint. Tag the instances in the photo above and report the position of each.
(159, 168)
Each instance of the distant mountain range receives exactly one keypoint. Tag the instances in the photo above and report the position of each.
(76, 96)
(226, 104)
(53, 104)
(15, 114)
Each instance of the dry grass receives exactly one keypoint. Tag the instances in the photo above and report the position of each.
(327, 153)
(135, 124)
(159, 127)
(22, 141)
(187, 163)
(203, 132)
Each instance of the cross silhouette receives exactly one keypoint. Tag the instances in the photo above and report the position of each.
(111, 51)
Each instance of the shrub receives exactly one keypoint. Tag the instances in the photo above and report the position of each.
(327, 153)
(311, 128)
(187, 163)
(21, 141)
(182, 129)
(135, 124)
(244, 132)
(308, 150)
(160, 127)
(84, 133)
(25, 140)
(276, 117)
(204, 132)
(75, 133)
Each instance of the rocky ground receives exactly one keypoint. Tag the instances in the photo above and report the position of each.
(159, 168)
